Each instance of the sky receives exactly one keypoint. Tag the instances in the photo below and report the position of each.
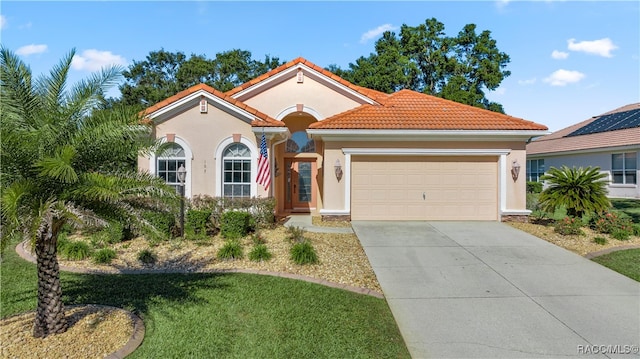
(569, 60)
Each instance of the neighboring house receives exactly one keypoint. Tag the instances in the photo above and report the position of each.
(340, 150)
(610, 141)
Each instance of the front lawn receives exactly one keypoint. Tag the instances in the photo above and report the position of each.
(628, 206)
(225, 315)
(626, 262)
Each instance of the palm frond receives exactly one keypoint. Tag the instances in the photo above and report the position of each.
(60, 166)
(52, 88)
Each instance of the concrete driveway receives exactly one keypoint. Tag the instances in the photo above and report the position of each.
(488, 290)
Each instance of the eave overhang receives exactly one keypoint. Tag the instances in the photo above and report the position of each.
(423, 135)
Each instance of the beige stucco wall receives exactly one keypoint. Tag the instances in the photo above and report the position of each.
(204, 134)
(324, 101)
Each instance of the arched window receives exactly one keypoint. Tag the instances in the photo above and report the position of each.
(236, 168)
(169, 158)
(300, 143)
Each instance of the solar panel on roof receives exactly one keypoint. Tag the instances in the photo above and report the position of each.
(610, 122)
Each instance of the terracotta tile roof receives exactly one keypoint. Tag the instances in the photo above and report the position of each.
(261, 119)
(300, 60)
(408, 109)
(557, 142)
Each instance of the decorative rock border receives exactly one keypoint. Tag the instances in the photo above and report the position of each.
(609, 250)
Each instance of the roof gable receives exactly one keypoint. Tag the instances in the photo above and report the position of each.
(308, 69)
(185, 97)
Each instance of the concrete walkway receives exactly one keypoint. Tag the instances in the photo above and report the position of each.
(488, 290)
(304, 221)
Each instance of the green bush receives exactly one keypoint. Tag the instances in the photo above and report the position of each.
(295, 234)
(534, 187)
(147, 256)
(110, 234)
(63, 239)
(164, 222)
(260, 252)
(75, 250)
(232, 249)
(104, 255)
(304, 253)
(262, 209)
(569, 226)
(532, 202)
(610, 222)
(197, 223)
(621, 234)
(235, 224)
(636, 229)
(600, 240)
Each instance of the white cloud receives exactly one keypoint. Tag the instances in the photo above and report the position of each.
(559, 55)
(527, 82)
(26, 26)
(3, 22)
(372, 34)
(94, 60)
(31, 49)
(563, 77)
(501, 4)
(602, 47)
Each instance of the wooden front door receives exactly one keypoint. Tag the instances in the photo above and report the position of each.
(300, 184)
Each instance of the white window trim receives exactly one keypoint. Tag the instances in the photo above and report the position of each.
(188, 157)
(624, 170)
(220, 163)
(294, 109)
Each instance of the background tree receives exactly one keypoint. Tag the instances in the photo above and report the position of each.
(422, 58)
(579, 190)
(163, 74)
(61, 164)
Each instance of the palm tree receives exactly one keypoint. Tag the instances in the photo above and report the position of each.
(60, 165)
(579, 190)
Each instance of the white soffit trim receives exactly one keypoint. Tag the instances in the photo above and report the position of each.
(418, 135)
(196, 96)
(427, 151)
(292, 72)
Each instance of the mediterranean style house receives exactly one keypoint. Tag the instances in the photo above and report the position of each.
(331, 148)
(610, 141)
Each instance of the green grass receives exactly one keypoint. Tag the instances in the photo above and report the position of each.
(628, 206)
(625, 262)
(225, 315)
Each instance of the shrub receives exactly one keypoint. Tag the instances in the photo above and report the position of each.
(621, 234)
(262, 210)
(63, 239)
(260, 252)
(636, 229)
(232, 249)
(112, 233)
(104, 256)
(600, 240)
(164, 222)
(295, 234)
(197, 223)
(568, 226)
(534, 187)
(303, 253)
(579, 190)
(532, 202)
(75, 250)
(147, 256)
(609, 222)
(235, 224)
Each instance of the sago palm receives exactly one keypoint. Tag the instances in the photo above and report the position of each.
(579, 190)
(60, 164)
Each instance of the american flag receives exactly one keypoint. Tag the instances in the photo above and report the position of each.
(264, 173)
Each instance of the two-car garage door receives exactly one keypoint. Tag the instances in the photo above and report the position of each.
(424, 188)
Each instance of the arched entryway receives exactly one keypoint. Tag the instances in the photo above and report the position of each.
(299, 178)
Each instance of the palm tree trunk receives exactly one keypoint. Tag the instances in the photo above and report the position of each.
(50, 318)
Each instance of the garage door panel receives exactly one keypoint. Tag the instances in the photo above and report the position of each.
(424, 188)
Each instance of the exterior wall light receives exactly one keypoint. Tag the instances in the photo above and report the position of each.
(338, 169)
(515, 170)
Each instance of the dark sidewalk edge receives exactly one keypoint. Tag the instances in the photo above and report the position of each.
(610, 250)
